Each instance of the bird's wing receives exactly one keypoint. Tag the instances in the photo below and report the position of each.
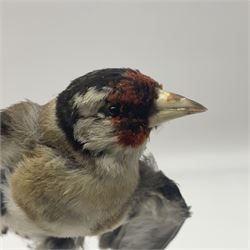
(157, 214)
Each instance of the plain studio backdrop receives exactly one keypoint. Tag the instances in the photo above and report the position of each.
(197, 49)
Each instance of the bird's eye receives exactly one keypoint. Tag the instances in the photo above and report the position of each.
(114, 110)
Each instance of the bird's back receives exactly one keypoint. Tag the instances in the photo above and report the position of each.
(19, 132)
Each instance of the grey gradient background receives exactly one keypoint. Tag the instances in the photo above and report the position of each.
(197, 49)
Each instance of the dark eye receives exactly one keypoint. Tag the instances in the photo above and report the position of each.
(114, 110)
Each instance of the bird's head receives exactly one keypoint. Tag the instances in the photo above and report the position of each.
(112, 110)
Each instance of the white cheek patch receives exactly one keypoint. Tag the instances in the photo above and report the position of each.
(90, 103)
(95, 134)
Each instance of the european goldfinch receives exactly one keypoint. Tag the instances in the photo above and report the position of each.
(77, 166)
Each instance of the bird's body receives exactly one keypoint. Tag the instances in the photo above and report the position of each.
(46, 169)
(72, 167)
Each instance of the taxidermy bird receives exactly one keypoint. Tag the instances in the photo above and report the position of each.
(76, 166)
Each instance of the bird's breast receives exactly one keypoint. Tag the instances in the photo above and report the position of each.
(70, 202)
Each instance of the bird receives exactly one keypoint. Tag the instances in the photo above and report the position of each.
(78, 165)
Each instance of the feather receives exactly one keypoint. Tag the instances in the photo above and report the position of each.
(158, 212)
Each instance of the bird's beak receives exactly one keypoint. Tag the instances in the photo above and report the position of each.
(169, 106)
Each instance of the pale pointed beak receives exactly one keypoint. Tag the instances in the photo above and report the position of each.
(169, 106)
